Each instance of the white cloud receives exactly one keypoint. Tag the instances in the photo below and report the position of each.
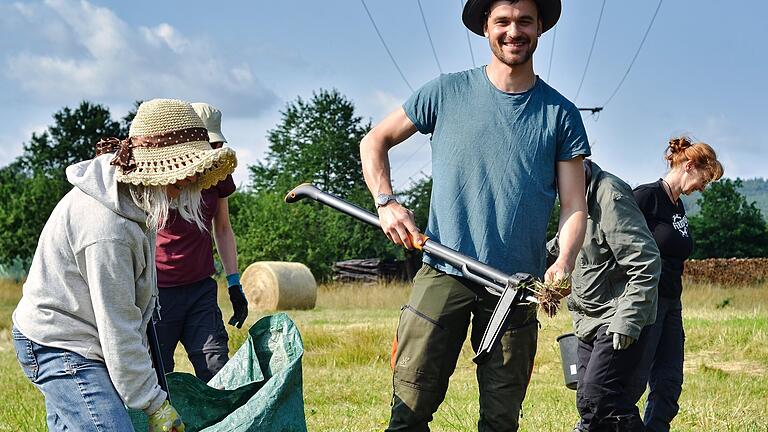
(385, 102)
(242, 74)
(165, 34)
(12, 140)
(23, 9)
(110, 61)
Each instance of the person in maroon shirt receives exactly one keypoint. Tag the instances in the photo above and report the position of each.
(691, 167)
(190, 312)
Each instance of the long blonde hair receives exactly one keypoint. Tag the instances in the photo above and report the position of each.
(154, 200)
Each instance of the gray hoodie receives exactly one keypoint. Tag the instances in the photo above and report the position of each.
(91, 288)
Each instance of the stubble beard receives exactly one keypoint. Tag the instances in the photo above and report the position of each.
(498, 51)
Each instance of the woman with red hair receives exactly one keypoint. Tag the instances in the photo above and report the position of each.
(691, 167)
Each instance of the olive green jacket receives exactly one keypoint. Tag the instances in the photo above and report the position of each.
(616, 276)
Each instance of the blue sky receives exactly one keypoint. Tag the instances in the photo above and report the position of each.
(701, 70)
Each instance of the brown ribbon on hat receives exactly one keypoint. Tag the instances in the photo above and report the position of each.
(123, 149)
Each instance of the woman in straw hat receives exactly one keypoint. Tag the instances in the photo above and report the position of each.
(79, 328)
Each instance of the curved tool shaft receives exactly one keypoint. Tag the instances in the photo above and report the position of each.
(473, 269)
(496, 282)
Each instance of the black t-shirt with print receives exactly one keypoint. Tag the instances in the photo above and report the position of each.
(669, 226)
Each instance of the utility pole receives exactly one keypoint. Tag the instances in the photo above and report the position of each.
(593, 110)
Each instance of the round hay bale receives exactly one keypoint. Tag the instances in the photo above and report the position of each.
(278, 285)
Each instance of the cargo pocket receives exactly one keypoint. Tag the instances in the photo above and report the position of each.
(25, 354)
(519, 341)
(419, 377)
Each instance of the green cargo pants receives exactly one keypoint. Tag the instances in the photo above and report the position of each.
(430, 334)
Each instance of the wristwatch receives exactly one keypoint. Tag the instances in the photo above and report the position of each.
(384, 199)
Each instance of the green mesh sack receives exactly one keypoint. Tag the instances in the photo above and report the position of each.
(259, 389)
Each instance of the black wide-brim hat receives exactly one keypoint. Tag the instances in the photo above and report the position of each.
(476, 12)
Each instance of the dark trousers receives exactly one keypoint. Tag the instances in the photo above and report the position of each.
(432, 329)
(609, 381)
(664, 364)
(190, 314)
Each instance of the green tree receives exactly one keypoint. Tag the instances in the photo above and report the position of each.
(72, 138)
(417, 199)
(31, 186)
(316, 141)
(727, 225)
(26, 200)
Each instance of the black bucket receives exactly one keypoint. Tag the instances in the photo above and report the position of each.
(568, 346)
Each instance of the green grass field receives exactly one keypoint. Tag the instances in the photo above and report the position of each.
(347, 380)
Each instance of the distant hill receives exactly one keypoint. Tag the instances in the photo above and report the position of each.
(753, 189)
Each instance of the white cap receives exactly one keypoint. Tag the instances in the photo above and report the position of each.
(211, 119)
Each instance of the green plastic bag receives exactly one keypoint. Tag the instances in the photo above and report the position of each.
(259, 389)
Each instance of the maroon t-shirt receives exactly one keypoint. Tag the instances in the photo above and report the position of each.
(184, 253)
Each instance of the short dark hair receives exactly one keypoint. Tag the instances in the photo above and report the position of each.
(488, 11)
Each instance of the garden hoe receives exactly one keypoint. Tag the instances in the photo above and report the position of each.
(512, 290)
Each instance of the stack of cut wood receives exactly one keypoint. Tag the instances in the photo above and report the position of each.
(367, 270)
(727, 271)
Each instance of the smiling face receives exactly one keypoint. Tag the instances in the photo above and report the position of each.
(513, 31)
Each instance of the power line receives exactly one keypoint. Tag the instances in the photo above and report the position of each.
(469, 42)
(591, 49)
(648, 30)
(593, 110)
(391, 57)
(552, 52)
(429, 36)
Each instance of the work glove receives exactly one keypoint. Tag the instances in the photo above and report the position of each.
(620, 341)
(165, 419)
(579, 427)
(239, 305)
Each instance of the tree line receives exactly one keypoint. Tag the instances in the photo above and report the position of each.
(316, 140)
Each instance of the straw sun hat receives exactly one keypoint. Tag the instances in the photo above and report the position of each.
(168, 142)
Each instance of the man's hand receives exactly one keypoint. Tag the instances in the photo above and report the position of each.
(398, 224)
(620, 341)
(556, 273)
(239, 305)
(165, 419)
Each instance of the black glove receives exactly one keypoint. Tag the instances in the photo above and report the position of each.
(239, 304)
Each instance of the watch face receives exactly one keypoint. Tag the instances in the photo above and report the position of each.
(383, 199)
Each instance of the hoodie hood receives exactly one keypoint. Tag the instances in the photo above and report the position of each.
(98, 179)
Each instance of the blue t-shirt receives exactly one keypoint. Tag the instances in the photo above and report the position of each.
(494, 158)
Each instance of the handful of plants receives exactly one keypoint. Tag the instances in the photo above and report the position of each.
(549, 294)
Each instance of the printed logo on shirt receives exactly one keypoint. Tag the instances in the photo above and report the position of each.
(681, 224)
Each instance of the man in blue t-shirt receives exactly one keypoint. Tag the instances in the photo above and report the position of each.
(500, 139)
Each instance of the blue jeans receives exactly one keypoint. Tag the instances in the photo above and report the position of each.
(663, 360)
(79, 396)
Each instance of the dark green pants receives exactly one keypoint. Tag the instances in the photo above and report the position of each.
(432, 329)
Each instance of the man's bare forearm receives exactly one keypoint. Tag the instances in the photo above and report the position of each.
(375, 161)
(573, 225)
